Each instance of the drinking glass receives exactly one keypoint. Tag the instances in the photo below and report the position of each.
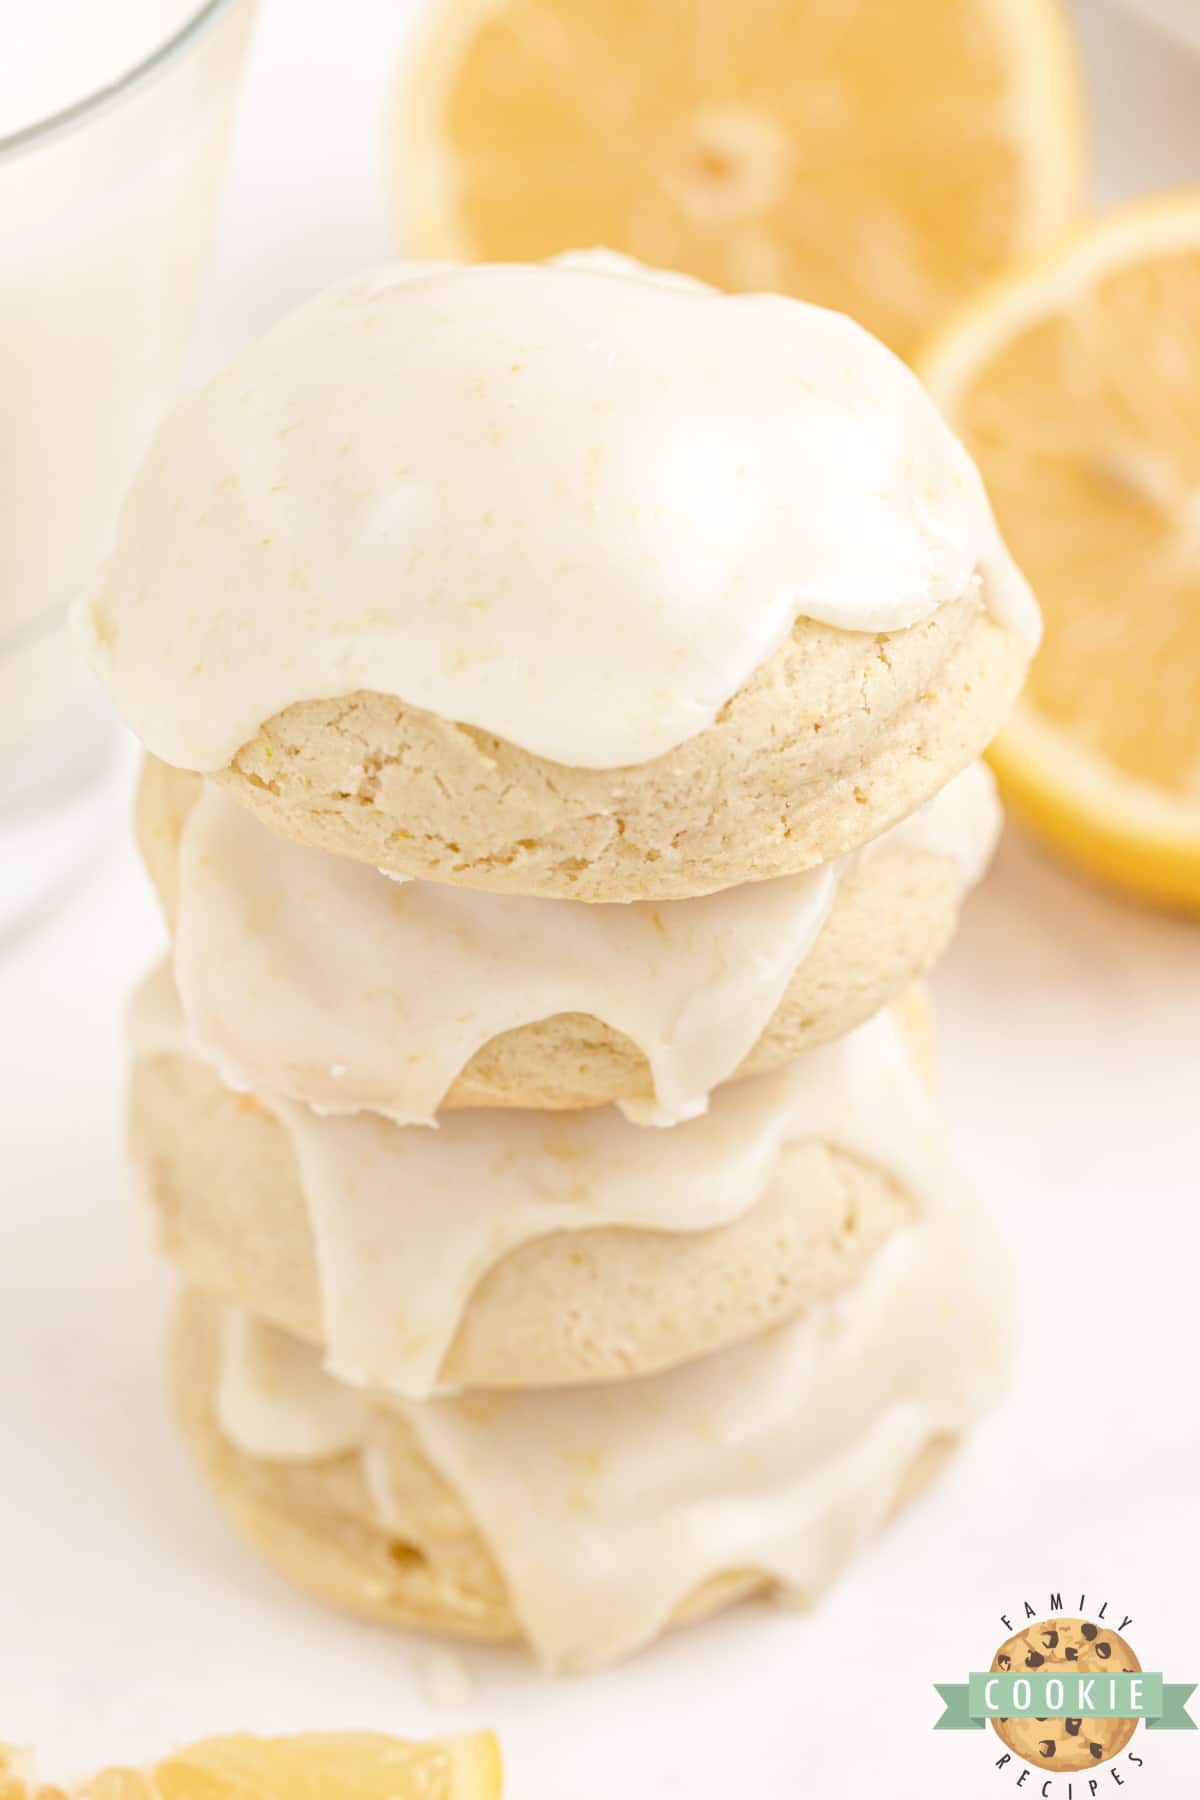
(108, 205)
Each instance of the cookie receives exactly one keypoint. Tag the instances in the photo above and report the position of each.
(569, 580)
(320, 980)
(1069, 1645)
(836, 737)
(568, 1306)
(384, 1533)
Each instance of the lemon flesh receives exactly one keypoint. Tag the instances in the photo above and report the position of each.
(877, 157)
(1077, 390)
(312, 1766)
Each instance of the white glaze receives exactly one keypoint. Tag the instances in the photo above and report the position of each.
(574, 504)
(304, 1420)
(606, 1507)
(314, 978)
(407, 1221)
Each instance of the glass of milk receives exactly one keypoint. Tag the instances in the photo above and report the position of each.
(114, 117)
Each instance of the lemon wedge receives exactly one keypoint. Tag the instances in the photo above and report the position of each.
(313, 1766)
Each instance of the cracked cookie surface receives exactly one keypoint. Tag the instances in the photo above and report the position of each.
(835, 737)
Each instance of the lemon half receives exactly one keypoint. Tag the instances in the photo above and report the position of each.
(1076, 387)
(878, 156)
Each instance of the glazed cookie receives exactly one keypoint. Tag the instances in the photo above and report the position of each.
(569, 580)
(1065, 1745)
(781, 781)
(323, 981)
(518, 1249)
(585, 1521)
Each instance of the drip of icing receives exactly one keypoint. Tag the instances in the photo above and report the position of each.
(573, 504)
(302, 1419)
(606, 1507)
(311, 977)
(406, 1222)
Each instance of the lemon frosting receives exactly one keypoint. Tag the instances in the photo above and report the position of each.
(406, 1221)
(318, 979)
(605, 1507)
(574, 504)
(266, 1393)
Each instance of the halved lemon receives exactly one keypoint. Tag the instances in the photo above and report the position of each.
(878, 156)
(314, 1766)
(1077, 389)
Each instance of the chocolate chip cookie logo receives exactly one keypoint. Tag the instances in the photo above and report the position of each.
(1065, 1694)
(1072, 1646)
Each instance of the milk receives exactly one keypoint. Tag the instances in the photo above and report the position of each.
(64, 50)
(105, 224)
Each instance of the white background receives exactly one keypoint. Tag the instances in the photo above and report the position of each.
(129, 1616)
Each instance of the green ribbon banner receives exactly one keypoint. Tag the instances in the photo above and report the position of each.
(1074, 1694)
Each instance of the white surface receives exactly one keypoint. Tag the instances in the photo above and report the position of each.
(131, 1618)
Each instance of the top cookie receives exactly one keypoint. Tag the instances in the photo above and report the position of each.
(572, 579)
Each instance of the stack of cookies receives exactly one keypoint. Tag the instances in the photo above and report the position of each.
(564, 688)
